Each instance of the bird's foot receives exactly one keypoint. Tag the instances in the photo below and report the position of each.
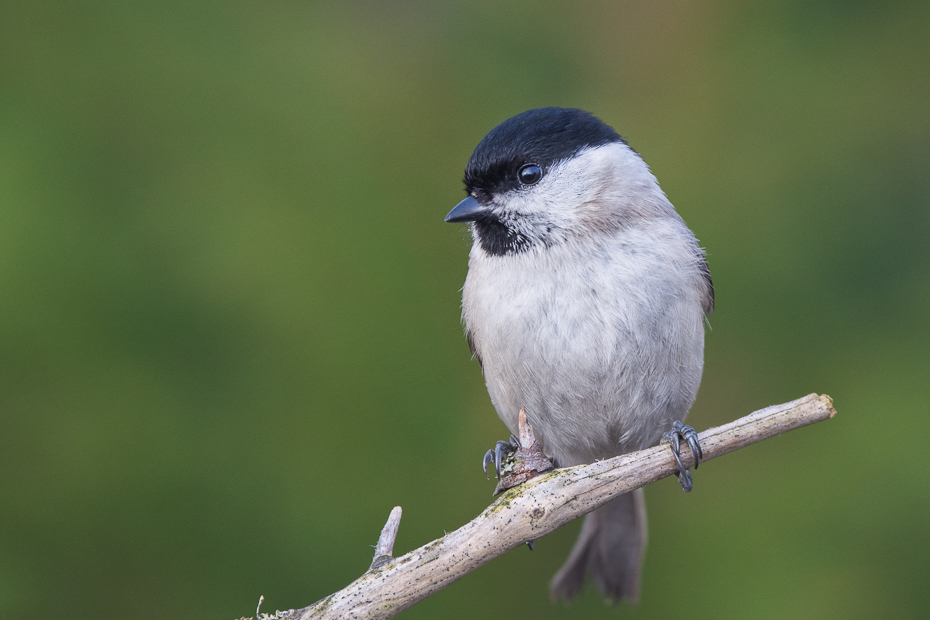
(682, 432)
(517, 461)
(501, 455)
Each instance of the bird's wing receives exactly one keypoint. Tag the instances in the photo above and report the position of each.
(708, 300)
(474, 350)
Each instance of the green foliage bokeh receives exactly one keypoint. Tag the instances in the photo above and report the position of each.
(229, 307)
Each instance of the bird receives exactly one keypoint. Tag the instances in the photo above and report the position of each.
(585, 303)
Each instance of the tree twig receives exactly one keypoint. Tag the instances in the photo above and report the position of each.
(385, 546)
(534, 509)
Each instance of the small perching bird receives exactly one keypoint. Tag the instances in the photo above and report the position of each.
(585, 303)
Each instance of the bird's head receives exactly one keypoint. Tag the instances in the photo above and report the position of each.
(550, 174)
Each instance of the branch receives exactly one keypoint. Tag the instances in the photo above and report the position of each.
(532, 510)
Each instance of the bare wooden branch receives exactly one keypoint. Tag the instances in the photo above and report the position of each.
(536, 508)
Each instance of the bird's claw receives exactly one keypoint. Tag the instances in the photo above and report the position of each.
(674, 437)
(496, 455)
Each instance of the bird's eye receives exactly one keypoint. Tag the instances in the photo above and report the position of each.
(530, 174)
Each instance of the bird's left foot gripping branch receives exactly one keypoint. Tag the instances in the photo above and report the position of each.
(519, 460)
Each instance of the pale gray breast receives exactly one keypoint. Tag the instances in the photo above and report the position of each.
(602, 343)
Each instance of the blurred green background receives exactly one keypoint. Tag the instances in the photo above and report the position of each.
(229, 306)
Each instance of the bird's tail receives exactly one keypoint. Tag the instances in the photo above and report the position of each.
(610, 548)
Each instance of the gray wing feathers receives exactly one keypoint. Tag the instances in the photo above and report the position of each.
(708, 300)
(472, 347)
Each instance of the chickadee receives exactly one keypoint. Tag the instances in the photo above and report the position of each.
(585, 303)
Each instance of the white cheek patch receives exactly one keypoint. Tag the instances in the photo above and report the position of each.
(570, 190)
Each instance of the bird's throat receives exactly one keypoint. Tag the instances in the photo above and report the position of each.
(498, 239)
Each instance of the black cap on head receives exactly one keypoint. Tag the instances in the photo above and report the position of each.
(543, 136)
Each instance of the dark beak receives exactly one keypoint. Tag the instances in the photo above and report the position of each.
(468, 210)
